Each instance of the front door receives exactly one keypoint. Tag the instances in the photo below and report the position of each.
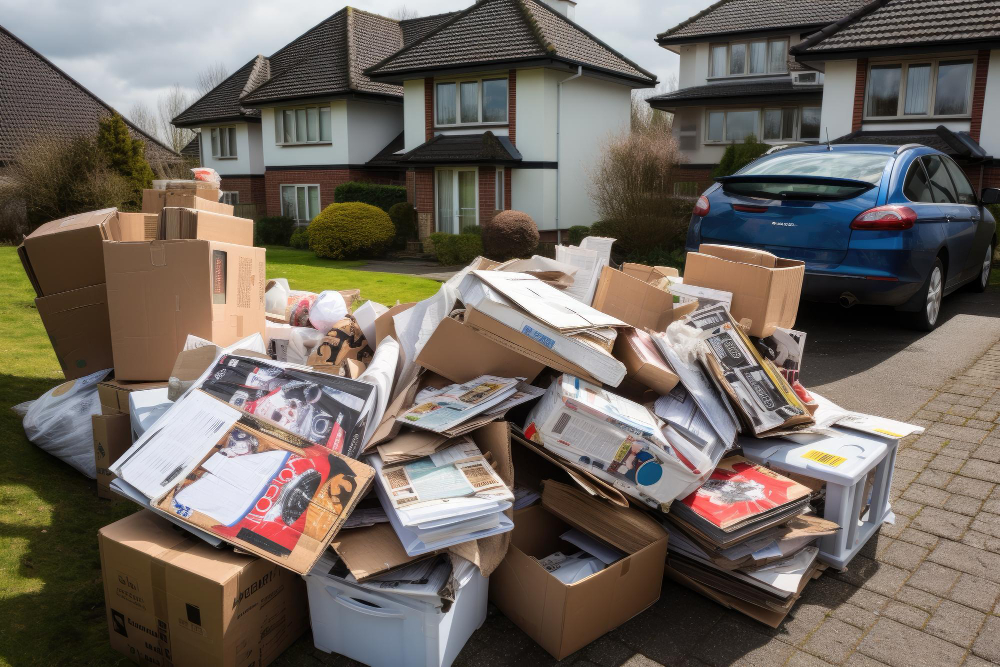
(457, 197)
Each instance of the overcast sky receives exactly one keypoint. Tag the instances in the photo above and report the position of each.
(133, 50)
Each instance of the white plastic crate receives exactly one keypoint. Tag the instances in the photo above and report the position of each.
(842, 461)
(386, 630)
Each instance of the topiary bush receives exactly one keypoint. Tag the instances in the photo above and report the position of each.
(404, 219)
(300, 238)
(508, 235)
(383, 196)
(578, 233)
(274, 229)
(351, 230)
(456, 248)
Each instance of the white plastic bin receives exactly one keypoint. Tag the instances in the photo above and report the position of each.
(842, 461)
(386, 630)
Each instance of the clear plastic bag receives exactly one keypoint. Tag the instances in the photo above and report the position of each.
(328, 309)
(59, 421)
(208, 175)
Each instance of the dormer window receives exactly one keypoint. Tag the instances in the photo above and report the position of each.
(471, 101)
(223, 142)
(757, 57)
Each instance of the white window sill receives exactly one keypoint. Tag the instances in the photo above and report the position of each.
(463, 126)
(225, 157)
(306, 143)
(913, 118)
(731, 77)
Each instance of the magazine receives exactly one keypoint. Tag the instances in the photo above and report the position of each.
(458, 403)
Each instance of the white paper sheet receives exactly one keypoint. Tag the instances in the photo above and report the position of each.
(602, 551)
(232, 485)
(414, 327)
(588, 264)
(546, 303)
(380, 372)
(366, 315)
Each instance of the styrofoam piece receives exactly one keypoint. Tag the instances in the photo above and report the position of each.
(843, 461)
(145, 407)
(392, 630)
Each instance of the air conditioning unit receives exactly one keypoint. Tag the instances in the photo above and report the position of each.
(806, 78)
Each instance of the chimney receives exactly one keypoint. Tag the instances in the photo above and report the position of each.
(565, 7)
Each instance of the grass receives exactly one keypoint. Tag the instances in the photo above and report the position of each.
(51, 596)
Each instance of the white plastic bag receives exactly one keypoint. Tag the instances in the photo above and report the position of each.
(327, 310)
(292, 344)
(59, 421)
(208, 175)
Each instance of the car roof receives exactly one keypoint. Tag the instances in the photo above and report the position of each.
(876, 149)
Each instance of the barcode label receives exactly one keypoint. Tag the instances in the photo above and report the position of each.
(831, 460)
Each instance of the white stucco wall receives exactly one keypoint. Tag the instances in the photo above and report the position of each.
(533, 191)
(989, 137)
(371, 126)
(536, 114)
(413, 113)
(247, 160)
(256, 152)
(838, 98)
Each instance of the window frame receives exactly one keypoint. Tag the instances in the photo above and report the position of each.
(746, 58)
(457, 221)
(499, 189)
(279, 125)
(479, 80)
(281, 200)
(231, 197)
(904, 66)
(759, 133)
(231, 140)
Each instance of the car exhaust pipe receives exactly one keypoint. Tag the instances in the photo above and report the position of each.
(847, 300)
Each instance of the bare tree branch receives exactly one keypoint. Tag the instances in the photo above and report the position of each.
(169, 105)
(403, 13)
(143, 117)
(210, 77)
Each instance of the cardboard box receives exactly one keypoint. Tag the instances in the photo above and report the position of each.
(637, 302)
(112, 437)
(459, 353)
(643, 361)
(66, 254)
(565, 618)
(766, 289)
(137, 226)
(78, 328)
(153, 201)
(649, 274)
(159, 292)
(174, 600)
(114, 394)
(189, 223)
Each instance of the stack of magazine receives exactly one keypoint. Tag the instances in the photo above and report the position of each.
(461, 408)
(452, 496)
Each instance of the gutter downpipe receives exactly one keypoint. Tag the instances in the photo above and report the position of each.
(579, 73)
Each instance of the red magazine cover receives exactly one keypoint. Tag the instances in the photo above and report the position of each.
(739, 490)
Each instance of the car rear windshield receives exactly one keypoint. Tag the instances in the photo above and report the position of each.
(866, 167)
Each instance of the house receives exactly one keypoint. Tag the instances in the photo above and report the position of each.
(506, 105)
(39, 99)
(502, 105)
(736, 79)
(909, 71)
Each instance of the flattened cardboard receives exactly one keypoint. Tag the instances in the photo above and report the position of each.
(154, 201)
(159, 292)
(137, 226)
(636, 302)
(112, 436)
(114, 394)
(649, 274)
(640, 364)
(189, 223)
(384, 325)
(170, 594)
(66, 254)
(78, 327)
(373, 550)
(766, 289)
(458, 352)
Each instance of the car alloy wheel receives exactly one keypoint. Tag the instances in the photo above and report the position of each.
(934, 293)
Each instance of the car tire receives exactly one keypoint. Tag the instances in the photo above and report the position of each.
(982, 281)
(926, 318)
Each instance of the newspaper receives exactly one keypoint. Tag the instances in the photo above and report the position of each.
(458, 403)
(456, 472)
(705, 296)
(679, 409)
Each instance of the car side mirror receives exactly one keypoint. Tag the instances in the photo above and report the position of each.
(990, 196)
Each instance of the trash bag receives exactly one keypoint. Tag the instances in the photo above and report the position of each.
(328, 309)
(208, 175)
(59, 421)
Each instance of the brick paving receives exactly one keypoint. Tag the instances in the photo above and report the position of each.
(925, 591)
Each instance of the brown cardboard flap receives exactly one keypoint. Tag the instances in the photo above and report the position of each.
(112, 438)
(153, 201)
(66, 254)
(643, 362)
(78, 327)
(738, 254)
(459, 353)
(372, 550)
(622, 527)
(648, 274)
(137, 226)
(636, 302)
(595, 487)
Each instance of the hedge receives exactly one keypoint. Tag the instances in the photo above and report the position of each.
(456, 248)
(351, 230)
(383, 196)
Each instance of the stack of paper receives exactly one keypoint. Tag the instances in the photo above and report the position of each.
(460, 408)
(449, 497)
(589, 258)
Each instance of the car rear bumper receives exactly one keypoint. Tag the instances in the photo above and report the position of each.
(869, 290)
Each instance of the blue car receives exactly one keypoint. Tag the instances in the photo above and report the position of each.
(883, 225)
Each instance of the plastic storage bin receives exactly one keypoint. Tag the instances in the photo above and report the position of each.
(842, 461)
(382, 629)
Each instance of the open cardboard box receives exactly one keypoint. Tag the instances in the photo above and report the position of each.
(189, 223)
(649, 274)
(637, 302)
(766, 289)
(460, 353)
(66, 254)
(114, 394)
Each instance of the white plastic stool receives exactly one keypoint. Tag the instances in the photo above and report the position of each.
(843, 461)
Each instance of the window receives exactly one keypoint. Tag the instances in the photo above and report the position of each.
(719, 56)
(471, 101)
(758, 58)
(457, 197)
(935, 88)
(779, 124)
(856, 166)
(738, 59)
(777, 56)
(915, 187)
(740, 124)
(716, 119)
(786, 124)
(300, 202)
(231, 197)
(302, 125)
(942, 189)
(499, 205)
(743, 58)
(223, 142)
(966, 195)
(809, 129)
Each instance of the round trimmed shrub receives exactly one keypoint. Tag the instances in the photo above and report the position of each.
(351, 230)
(404, 219)
(299, 239)
(508, 235)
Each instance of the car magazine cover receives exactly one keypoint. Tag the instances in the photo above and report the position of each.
(326, 410)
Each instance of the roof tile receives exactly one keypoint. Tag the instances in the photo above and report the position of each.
(729, 16)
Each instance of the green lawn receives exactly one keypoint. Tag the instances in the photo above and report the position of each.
(51, 598)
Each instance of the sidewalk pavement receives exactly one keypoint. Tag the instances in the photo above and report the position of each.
(412, 267)
(925, 591)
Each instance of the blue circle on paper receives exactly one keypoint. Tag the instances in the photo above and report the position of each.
(648, 473)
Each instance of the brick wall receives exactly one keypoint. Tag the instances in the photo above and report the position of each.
(487, 194)
(423, 182)
(700, 175)
(991, 176)
(411, 185)
(860, 84)
(251, 189)
(979, 93)
(327, 179)
(506, 189)
(428, 109)
(512, 106)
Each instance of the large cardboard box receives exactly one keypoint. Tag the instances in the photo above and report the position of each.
(766, 289)
(66, 254)
(189, 223)
(174, 600)
(637, 302)
(138, 226)
(153, 201)
(112, 437)
(159, 292)
(565, 618)
(77, 324)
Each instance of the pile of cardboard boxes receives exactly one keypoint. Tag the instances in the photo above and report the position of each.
(506, 439)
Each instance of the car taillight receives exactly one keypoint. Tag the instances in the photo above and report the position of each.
(701, 208)
(885, 218)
